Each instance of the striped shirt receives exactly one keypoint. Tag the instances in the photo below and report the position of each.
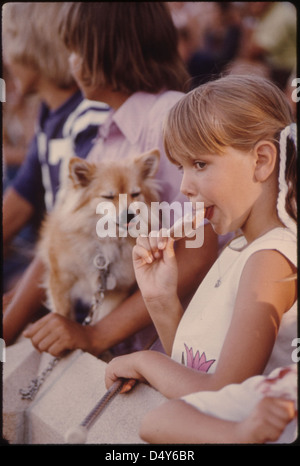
(60, 134)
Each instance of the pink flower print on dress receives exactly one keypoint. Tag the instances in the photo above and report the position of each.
(197, 362)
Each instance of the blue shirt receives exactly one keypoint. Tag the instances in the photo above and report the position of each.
(60, 134)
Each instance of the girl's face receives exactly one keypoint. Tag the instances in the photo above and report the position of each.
(227, 186)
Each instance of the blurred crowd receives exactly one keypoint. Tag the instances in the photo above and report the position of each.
(248, 37)
(214, 38)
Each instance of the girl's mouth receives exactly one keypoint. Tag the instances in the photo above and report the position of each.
(209, 211)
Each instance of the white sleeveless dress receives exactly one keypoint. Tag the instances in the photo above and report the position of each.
(201, 333)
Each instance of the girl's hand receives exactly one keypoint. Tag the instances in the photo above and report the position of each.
(124, 367)
(267, 421)
(155, 266)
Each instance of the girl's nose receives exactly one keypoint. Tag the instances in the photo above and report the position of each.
(187, 185)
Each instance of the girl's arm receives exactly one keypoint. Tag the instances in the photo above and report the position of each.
(167, 376)
(168, 281)
(178, 422)
(261, 301)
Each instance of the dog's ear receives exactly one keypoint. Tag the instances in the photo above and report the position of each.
(81, 172)
(148, 163)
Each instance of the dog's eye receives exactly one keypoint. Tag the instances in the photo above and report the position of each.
(135, 194)
(108, 196)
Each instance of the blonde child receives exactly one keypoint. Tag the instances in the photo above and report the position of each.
(234, 139)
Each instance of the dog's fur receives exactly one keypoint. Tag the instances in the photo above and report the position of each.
(69, 242)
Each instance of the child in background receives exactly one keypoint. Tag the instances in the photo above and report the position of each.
(67, 124)
(260, 410)
(125, 54)
(235, 140)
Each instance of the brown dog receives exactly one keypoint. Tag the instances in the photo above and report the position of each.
(78, 262)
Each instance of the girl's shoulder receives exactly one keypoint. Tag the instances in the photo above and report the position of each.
(280, 239)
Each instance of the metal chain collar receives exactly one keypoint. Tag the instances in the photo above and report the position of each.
(101, 263)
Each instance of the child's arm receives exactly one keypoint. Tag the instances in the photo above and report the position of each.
(165, 279)
(24, 302)
(261, 301)
(167, 376)
(178, 422)
(17, 211)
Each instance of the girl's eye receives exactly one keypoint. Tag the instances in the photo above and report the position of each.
(200, 165)
(108, 196)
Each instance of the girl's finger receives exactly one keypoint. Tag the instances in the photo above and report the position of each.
(282, 408)
(154, 241)
(143, 241)
(169, 248)
(162, 238)
(142, 255)
(159, 239)
(128, 385)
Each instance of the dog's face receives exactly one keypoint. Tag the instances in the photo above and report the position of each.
(115, 188)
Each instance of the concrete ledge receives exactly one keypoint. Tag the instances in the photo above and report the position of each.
(68, 394)
(22, 362)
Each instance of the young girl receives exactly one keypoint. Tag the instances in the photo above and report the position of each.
(125, 54)
(234, 140)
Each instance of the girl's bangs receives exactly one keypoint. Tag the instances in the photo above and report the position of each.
(189, 133)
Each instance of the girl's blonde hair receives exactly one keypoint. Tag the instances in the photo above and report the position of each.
(232, 111)
(30, 37)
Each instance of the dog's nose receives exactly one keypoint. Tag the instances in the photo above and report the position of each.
(125, 217)
(130, 216)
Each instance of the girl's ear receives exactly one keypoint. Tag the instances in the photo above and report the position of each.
(266, 157)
